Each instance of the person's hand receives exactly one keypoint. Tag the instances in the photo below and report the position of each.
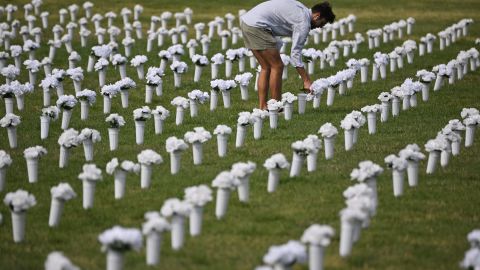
(306, 85)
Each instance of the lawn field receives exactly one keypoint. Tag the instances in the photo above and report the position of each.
(424, 229)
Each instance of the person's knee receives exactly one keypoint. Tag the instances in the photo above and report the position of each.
(277, 66)
(266, 68)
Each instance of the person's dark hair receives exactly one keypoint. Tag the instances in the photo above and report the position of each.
(325, 11)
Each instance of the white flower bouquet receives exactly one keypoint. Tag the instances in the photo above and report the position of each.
(116, 241)
(89, 177)
(159, 116)
(225, 182)
(182, 104)
(243, 80)
(349, 124)
(273, 109)
(10, 73)
(33, 67)
(120, 61)
(138, 62)
(76, 74)
(225, 86)
(351, 219)
(178, 69)
(286, 255)
(287, 100)
(119, 171)
(313, 144)
(372, 111)
(216, 60)
(244, 119)
(153, 228)
(329, 133)
(56, 259)
(32, 155)
(412, 154)
(197, 138)
(318, 237)
(67, 103)
(300, 153)
(10, 121)
(175, 147)
(274, 164)
(178, 211)
(398, 166)
(242, 171)
(88, 137)
(196, 97)
(5, 162)
(317, 88)
(147, 158)
(60, 194)
(380, 65)
(200, 61)
(435, 147)
(222, 132)
(87, 98)
(19, 202)
(115, 121)
(197, 197)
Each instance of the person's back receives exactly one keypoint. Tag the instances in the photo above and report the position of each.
(278, 16)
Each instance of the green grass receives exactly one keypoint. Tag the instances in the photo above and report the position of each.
(424, 229)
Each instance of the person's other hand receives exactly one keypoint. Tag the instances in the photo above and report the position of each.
(307, 84)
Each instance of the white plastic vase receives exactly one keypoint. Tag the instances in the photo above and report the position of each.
(425, 91)
(228, 68)
(346, 238)
(273, 179)
(315, 257)
(84, 108)
(179, 115)
(222, 144)
(177, 79)
(56, 210)
(329, 144)
(3, 178)
(193, 108)
(244, 91)
(384, 113)
(198, 73)
(445, 158)
(432, 161)
(316, 101)
(395, 106)
(469, 135)
(312, 161)
(115, 260)
(412, 173)
(397, 176)
(455, 148)
(107, 104)
(348, 139)
(226, 99)
(66, 115)
(302, 103)
(240, 138)
(8, 105)
(63, 158)
(153, 247)
(18, 225)
(438, 83)
(297, 163)
(178, 231)
(244, 189)
(221, 203)
(197, 149)
(158, 123)
(330, 95)
(383, 71)
(406, 103)
(32, 169)
(273, 116)
(120, 177)
(149, 93)
(288, 111)
(214, 71)
(102, 76)
(213, 100)
(88, 193)
(113, 138)
(139, 131)
(145, 175)
(175, 158)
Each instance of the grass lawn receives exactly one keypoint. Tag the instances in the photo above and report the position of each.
(424, 229)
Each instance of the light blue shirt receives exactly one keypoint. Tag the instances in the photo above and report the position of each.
(283, 18)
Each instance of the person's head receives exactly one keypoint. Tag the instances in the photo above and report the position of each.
(322, 14)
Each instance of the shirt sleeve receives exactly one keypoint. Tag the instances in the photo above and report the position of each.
(299, 37)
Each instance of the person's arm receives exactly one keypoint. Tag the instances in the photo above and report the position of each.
(306, 79)
(299, 37)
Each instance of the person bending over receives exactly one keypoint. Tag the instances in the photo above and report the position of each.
(280, 18)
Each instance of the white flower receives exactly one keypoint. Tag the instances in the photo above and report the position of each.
(349, 122)
(472, 120)
(155, 223)
(63, 191)
(67, 102)
(450, 135)
(474, 238)
(34, 152)
(412, 152)
(288, 97)
(142, 114)
(286, 254)
(101, 64)
(174, 144)
(74, 56)
(75, 74)
(5, 159)
(32, 65)
(319, 235)
(90, 173)
(225, 180)
(56, 260)
(372, 108)
(198, 135)
(49, 82)
(318, 86)
(467, 112)
(110, 90)
(242, 170)
(115, 120)
(179, 67)
(200, 60)
(312, 143)
(149, 157)
(276, 161)
(245, 118)
(69, 138)
(300, 148)
(198, 95)
(180, 102)
(472, 259)
(30, 45)
(244, 78)
(176, 49)
(258, 114)
(121, 239)
(175, 207)
(437, 144)
(222, 130)
(10, 120)
(164, 54)
(222, 85)
(118, 59)
(380, 59)
(455, 125)
(385, 97)
(19, 200)
(217, 59)
(353, 214)
(15, 50)
(20, 89)
(366, 170)
(396, 163)
(334, 80)
(138, 60)
(358, 190)
(89, 134)
(87, 95)
(274, 105)
(198, 195)
(161, 112)
(10, 72)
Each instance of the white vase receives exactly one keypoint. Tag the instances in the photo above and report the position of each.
(302, 103)
(222, 144)
(114, 260)
(198, 73)
(425, 91)
(178, 231)
(244, 189)
(406, 103)
(120, 177)
(273, 179)
(375, 71)
(149, 93)
(3, 178)
(412, 173)
(56, 209)
(297, 163)
(395, 106)
(113, 138)
(102, 76)
(329, 144)
(32, 169)
(384, 113)
(221, 203)
(175, 162)
(273, 116)
(372, 184)
(312, 161)
(469, 135)
(88, 193)
(63, 158)
(455, 148)
(330, 95)
(342, 88)
(177, 79)
(444, 158)
(107, 104)
(226, 99)
(240, 138)
(213, 100)
(214, 71)
(77, 85)
(158, 123)
(438, 83)
(145, 175)
(432, 161)
(348, 139)
(288, 111)
(228, 68)
(196, 214)
(257, 128)
(20, 102)
(140, 72)
(244, 91)
(18, 226)
(397, 182)
(139, 131)
(124, 97)
(179, 115)
(197, 149)
(193, 108)
(346, 238)
(383, 71)
(153, 247)
(159, 89)
(122, 69)
(8, 105)
(315, 257)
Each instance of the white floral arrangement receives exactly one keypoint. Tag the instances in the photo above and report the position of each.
(222, 130)
(90, 173)
(126, 83)
(380, 59)
(173, 144)
(385, 97)
(425, 76)
(88, 95)
(328, 130)
(372, 108)
(455, 125)
(180, 102)
(192, 43)
(20, 89)
(346, 74)
(358, 116)
(32, 65)
(243, 169)
(438, 144)
(274, 105)
(411, 87)
(200, 60)
(138, 60)
(154, 76)
(244, 78)
(63, 191)
(334, 81)
(245, 119)
(222, 85)
(353, 64)
(288, 98)
(176, 49)
(317, 87)
(75, 74)
(161, 112)
(165, 55)
(366, 170)
(121, 239)
(217, 59)
(49, 82)
(10, 72)
(175, 206)
(6, 91)
(74, 56)
(101, 64)
(126, 165)
(56, 259)
(16, 50)
(358, 190)
(128, 41)
(142, 114)
(473, 120)
(155, 223)
(30, 45)
(300, 148)
(59, 74)
(118, 59)
(442, 70)
(10, 120)
(258, 114)
(320, 235)
(225, 180)
(349, 122)
(198, 195)
(287, 254)
(450, 135)
(34, 152)
(313, 143)
(412, 152)
(350, 214)
(66, 102)
(309, 54)
(5, 159)
(199, 134)
(198, 96)
(19, 201)
(179, 67)
(467, 112)
(69, 138)
(235, 54)
(115, 120)
(276, 161)
(89, 134)
(396, 163)
(149, 157)
(110, 90)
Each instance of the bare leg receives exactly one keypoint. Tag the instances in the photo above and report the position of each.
(263, 79)
(273, 59)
